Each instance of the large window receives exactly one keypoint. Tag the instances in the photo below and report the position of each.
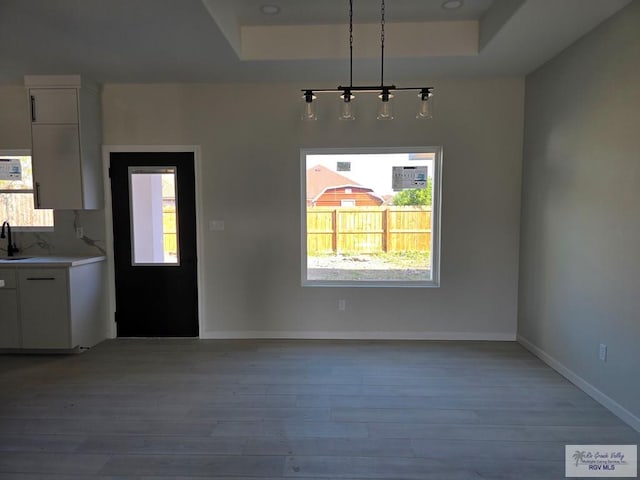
(16, 193)
(370, 217)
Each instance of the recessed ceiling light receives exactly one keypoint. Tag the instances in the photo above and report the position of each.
(452, 4)
(270, 9)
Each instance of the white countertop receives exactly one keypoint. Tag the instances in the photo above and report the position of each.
(50, 261)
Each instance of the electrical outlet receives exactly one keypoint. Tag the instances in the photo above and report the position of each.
(603, 352)
(79, 232)
(342, 305)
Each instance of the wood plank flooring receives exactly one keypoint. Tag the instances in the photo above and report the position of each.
(143, 409)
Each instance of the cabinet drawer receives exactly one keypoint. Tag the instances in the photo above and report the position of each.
(9, 277)
(42, 276)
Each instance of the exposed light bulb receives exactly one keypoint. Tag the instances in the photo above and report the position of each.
(425, 109)
(385, 112)
(346, 106)
(309, 112)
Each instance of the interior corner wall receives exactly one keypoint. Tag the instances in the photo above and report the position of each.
(250, 138)
(580, 232)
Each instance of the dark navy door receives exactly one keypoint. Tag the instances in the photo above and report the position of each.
(154, 231)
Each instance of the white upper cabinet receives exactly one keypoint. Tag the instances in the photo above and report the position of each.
(56, 163)
(54, 105)
(66, 141)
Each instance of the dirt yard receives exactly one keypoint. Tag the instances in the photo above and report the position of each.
(364, 267)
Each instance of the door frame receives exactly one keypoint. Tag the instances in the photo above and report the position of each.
(108, 218)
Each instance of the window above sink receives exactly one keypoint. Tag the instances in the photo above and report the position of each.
(16, 193)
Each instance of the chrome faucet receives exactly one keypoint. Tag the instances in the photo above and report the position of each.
(11, 247)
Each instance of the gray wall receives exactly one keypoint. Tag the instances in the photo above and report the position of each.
(250, 137)
(14, 118)
(580, 232)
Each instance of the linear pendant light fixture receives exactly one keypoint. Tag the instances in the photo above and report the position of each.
(383, 91)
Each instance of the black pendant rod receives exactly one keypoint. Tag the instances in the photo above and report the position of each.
(350, 43)
(382, 88)
(382, 44)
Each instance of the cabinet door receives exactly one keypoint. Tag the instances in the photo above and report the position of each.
(56, 166)
(54, 105)
(44, 308)
(9, 327)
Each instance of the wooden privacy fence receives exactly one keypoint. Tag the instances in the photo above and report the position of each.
(18, 209)
(368, 229)
(169, 224)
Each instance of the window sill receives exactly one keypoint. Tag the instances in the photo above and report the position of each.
(17, 229)
(369, 284)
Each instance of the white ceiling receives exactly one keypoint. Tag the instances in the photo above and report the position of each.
(297, 12)
(202, 40)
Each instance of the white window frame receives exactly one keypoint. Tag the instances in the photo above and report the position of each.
(436, 216)
(20, 228)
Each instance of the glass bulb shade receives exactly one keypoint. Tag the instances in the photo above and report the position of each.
(309, 112)
(425, 109)
(346, 110)
(385, 112)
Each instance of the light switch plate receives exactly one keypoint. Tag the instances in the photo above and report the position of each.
(1, 283)
(216, 225)
(602, 354)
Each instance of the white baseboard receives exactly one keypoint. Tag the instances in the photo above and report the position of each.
(309, 335)
(625, 415)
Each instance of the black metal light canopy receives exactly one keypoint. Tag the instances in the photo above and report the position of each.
(385, 92)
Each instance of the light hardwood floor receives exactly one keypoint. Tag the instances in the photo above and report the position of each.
(132, 409)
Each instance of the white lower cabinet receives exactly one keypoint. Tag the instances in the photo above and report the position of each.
(9, 325)
(44, 308)
(57, 308)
